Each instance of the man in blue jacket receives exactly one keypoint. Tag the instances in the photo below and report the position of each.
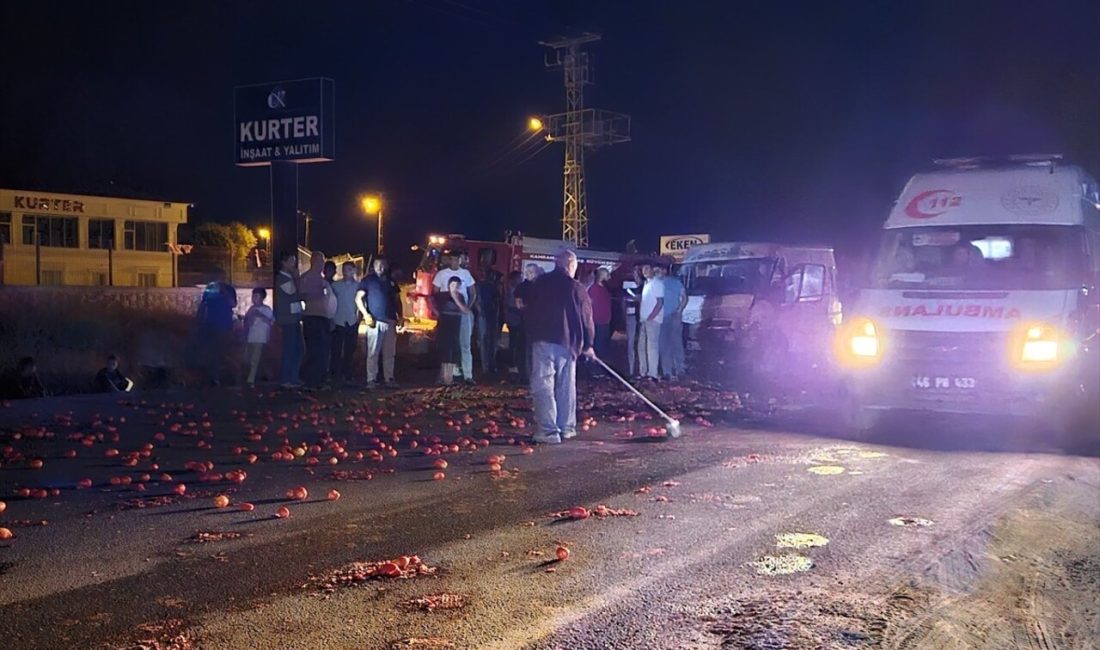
(559, 317)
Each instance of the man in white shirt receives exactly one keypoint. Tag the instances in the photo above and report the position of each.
(346, 321)
(466, 333)
(651, 314)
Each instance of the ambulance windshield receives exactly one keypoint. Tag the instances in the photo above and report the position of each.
(1003, 257)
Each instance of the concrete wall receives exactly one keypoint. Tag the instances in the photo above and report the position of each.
(182, 300)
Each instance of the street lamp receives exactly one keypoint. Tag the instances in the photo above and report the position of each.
(535, 124)
(264, 234)
(372, 204)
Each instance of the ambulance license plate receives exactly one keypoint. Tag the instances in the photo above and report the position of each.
(936, 382)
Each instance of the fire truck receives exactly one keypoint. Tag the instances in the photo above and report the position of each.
(511, 254)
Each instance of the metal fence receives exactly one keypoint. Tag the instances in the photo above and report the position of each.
(203, 262)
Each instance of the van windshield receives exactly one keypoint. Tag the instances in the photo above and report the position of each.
(982, 257)
(728, 277)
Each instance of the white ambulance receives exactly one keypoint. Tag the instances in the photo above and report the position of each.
(983, 298)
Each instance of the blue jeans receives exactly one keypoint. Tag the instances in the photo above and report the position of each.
(465, 336)
(631, 344)
(293, 350)
(671, 350)
(554, 388)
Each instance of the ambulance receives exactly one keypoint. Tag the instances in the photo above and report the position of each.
(983, 298)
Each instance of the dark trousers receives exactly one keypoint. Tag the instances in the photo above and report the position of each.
(318, 337)
(488, 337)
(344, 338)
(215, 346)
(517, 349)
(291, 363)
(602, 344)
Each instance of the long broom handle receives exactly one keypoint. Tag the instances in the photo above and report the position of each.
(634, 390)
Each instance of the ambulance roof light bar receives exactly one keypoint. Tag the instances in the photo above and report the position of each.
(1014, 160)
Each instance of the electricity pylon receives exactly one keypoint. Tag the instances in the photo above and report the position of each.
(578, 128)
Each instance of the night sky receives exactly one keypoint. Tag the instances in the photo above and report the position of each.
(788, 121)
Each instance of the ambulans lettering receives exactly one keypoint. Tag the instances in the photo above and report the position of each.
(56, 205)
(942, 310)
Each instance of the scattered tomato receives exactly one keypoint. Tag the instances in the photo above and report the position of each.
(221, 501)
(5, 533)
(562, 553)
(333, 495)
(283, 512)
(438, 476)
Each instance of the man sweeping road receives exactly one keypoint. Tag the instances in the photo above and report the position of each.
(559, 317)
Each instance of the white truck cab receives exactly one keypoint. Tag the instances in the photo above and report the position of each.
(768, 310)
(983, 297)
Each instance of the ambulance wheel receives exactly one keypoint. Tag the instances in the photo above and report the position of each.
(856, 420)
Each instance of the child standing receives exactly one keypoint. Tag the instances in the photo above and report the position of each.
(257, 322)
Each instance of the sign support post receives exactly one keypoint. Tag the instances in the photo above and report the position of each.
(284, 212)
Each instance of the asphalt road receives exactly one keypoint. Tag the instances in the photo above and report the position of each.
(944, 537)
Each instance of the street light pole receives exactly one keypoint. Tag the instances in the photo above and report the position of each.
(372, 204)
(380, 245)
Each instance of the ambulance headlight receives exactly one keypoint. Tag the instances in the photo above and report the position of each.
(859, 343)
(1039, 346)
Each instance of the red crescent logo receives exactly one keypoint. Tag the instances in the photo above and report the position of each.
(932, 203)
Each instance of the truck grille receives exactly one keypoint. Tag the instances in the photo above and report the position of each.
(948, 348)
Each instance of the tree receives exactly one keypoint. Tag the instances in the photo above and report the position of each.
(234, 236)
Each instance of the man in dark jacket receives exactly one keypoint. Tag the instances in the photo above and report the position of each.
(559, 325)
(379, 301)
(288, 316)
(216, 317)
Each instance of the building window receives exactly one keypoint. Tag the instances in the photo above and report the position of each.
(145, 236)
(99, 279)
(57, 232)
(5, 228)
(101, 233)
(53, 277)
(146, 279)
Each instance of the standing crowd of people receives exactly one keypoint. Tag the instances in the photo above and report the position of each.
(319, 318)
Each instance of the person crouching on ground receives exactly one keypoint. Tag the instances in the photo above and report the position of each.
(110, 379)
(257, 324)
(452, 308)
(560, 328)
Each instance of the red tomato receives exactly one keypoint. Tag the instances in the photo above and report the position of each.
(221, 501)
(283, 512)
(247, 507)
(5, 533)
(562, 553)
(3, 506)
(333, 495)
(181, 488)
(390, 570)
(440, 464)
(578, 512)
(438, 476)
